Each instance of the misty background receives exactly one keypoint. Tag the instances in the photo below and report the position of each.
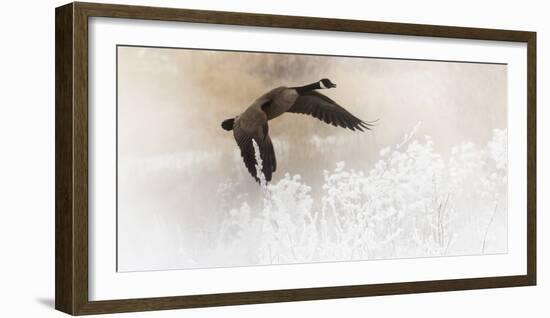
(180, 176)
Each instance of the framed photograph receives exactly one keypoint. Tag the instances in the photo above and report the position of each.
(219, 158)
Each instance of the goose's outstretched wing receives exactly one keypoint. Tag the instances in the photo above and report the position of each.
(245, 131)
(325, 109)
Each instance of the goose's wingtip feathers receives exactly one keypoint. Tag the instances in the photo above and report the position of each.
(369, 124)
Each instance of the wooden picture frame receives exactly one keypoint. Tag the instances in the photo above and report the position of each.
(71, 124)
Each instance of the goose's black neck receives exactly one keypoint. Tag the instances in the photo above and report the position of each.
(307, 88)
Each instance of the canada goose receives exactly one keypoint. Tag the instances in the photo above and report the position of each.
(252, 123)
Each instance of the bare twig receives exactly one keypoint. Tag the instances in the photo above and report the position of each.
(488, 227)
(409, 136)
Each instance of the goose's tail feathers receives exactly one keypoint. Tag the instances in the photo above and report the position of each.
(228, 124)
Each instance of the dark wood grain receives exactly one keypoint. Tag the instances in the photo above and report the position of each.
(72, 279)
(164, 303)
(532, 158)
(297, 22)
(80, 146)
(64, 235)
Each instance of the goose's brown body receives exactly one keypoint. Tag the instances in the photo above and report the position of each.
(252, 124)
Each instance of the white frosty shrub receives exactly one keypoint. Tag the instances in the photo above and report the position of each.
(289, 233)
(259, 165)
(412, 202)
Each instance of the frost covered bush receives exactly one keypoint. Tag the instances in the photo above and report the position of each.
(413, 202)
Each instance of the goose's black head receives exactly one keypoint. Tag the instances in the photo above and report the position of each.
(326, 83)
